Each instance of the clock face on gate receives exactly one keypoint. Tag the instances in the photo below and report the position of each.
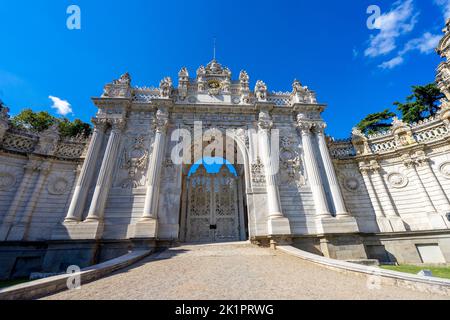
(214, 84)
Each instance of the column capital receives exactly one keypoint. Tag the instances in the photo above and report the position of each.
(32, 165)
(408, 162)
(45, 167)
(419, 159)
(368, 168)
(422, 159)
(319, 128)
(305, 127)
(99, 124)
(117, 125)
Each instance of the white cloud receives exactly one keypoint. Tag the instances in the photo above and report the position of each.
(62, 106)
(391, 64)
(425, 44)
(398, 21)
(445, 6)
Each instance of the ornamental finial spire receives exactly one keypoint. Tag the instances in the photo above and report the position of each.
(214, 54)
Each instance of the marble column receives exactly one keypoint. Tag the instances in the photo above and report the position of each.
(273, 194)
(278, 224)
(335, 189)
(84, 180)
(312, 168)
(155, 165)
(96, 210)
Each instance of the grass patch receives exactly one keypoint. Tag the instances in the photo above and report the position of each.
(10, 283)
(440, 272)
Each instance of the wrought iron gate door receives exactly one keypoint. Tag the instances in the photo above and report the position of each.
(212, 214)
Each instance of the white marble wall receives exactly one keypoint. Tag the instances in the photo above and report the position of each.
(390, 176)
(25, 205)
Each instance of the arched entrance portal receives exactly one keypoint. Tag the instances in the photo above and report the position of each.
(214, 208)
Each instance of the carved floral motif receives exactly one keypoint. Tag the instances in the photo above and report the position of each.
(135, 160)
(258, 175)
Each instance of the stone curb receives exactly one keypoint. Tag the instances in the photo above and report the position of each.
(44, 287)
(376, 276)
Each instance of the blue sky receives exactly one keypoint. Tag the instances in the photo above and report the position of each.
(325, 44)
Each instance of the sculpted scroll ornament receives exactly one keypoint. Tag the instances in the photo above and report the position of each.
(445, 169)
(397, 180)
(7, 181)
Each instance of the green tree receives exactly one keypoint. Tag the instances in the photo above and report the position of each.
(35, 121)
(376, 122)
(75, 128)
(423, 103)
(41, 121)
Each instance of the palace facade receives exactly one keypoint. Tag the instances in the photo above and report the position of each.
(66, 202)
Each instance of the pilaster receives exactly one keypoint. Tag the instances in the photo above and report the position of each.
(19, 229)
(413, 163)
(147, 227)
(27, 179)
(278, 224)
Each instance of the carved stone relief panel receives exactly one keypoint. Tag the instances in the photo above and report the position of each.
(133, 161)
(292, 170)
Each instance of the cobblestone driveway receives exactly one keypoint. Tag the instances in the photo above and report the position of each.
(232, 271)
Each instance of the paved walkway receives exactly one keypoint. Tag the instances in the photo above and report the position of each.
(232, 271)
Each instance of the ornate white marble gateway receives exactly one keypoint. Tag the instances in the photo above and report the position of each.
(140, 180)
